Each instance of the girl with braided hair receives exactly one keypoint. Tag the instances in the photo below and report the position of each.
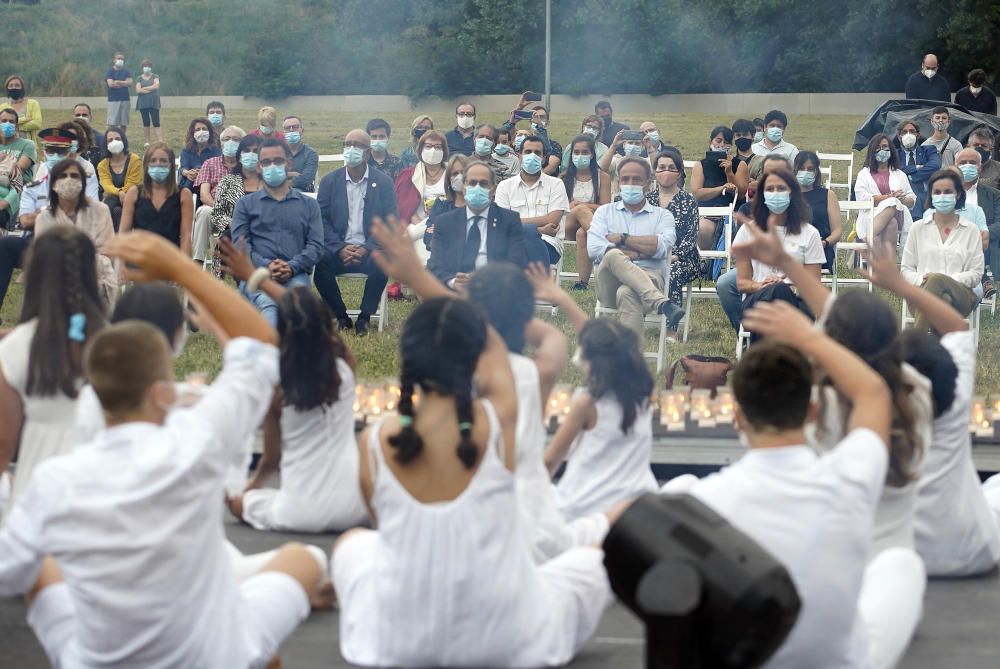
(447, 579)
(41, 365)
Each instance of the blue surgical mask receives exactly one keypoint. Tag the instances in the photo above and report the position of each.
(632, 194)
(274, 175)
(778, 201)
(653, 136)
(537, 127)
(758, 136)
(380, 145)
(501, 149)
(8, 129)
(477, 197)
(293, 137)
(264, 130)
(945, 203)
(147, 70)
(249, 160)
(353, 155)
(775, 134)
(883, 155)
(483, 146)
(969, 171)
(633, 150)
(74, 146)
(518, 141)
(806, 177)
(158, 173)
(581, 162)
(531, 163)
(52, 158)
(230, 147)
(215, 119)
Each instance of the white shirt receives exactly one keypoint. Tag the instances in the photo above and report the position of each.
(960, 256)
(813, 514)
(972, 196)
(356, 208)
(135, 522)
(35, 196)
(545, 195)
(91, 188)
(806, 247)
(956, 532)
(782, 148)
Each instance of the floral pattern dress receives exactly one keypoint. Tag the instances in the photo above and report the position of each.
(687, 267)
(227, 194)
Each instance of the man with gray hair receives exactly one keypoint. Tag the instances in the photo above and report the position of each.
(480, 233)
(206, 184)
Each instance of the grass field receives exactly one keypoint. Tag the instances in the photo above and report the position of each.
(377, 354)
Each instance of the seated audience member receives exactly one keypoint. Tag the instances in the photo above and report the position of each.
(267, 123)
(305, 160)
(210, 176)
(775, 125)
(34, 197)
(159, 205)
(83, 112)
(928, 84)
(955, 529)
(713, 183)
(40, 366)
(28, 110)
(454, 198)
(504, 159)
(175, 483)
(119, 172)
(981, 139)
(485, 139)
(632, 240)
(779, 206)
(309, 428)
(380, 131)
(281, 227)
(611, 127)
(469, 238)
(978, 196)
(201, 143)
(593, 127)
(79, 144)
(758, 130)
(410, 155)
(864, 324)
(587, 189)
(882, 182)
(743, 139)
(823, 204)
(945, 144)
(917, 160)
(944, 252)
(461, 434)
(685, 261)
(652, 144)
(349, 198)
(462, 138)
(977, 96)
(620, 148)
(553, 150)
(606, 438)
(11, 188)
(419, 187)
(244, 179)
(970, 212)
(69, 205)
(798, 504)
(540, 199)
(215, 112)
(95, 152)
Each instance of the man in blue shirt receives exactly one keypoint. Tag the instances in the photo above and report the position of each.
(282, 228)
(461, 138)
(118, 80)
(632, 241)
(305, 160)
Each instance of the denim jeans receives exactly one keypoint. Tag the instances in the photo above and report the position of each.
(730, 298)
(267, 307)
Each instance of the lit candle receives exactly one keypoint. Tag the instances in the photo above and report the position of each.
(673, 408)
(724, 404)
(701, 407)
(980, 422)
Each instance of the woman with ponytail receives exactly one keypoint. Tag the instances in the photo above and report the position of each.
(447, 579)
(41, 365)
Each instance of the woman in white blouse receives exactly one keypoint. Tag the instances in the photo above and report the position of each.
(944, 251)
(882, 182)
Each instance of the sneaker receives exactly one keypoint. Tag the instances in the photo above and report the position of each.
(394, 291)
(344, 324)
(673, 313)
(361, 326)
(989, 289)
(580, 285)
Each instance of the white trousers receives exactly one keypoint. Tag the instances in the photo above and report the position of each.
(891, 604)
(201, 233)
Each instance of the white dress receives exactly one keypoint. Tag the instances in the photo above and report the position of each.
(452, 584)
(48, 420)
(605, 465)
(583, 191)
(319, 470)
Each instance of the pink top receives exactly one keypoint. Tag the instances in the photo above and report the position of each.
(882, 181)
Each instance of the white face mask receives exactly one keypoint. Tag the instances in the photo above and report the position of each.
(432, 156)
(929, 73)
(456, 182)
(908, 140)
(975, 90)
(465, 122)
(201, 136)
(116, 146)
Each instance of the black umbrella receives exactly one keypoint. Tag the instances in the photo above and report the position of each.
(891, 113)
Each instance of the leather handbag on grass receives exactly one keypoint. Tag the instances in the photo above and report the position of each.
(701, 371)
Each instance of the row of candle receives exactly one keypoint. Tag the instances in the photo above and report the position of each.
(984, 416)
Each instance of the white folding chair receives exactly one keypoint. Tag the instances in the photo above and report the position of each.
(972, 319)
(541, 304)
(692, 293)
(847, 207)
(565, 276)
(382, 313)
(651, 320)
(831, 158)
(742, 342)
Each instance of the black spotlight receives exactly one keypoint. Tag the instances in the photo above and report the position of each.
(709, 595)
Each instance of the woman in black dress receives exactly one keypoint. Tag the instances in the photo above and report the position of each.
(158, 205)
(822, 201)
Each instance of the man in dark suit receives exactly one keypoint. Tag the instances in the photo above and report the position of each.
(479, 233)
(348, 199)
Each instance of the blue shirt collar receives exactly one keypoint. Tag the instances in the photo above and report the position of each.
(620, 205)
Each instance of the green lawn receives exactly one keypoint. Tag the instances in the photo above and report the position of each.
(377, 354)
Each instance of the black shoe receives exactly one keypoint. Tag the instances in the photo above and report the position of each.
(344, 324)
(361, 326)
(580, 285)
(989, 289)
(673, 313)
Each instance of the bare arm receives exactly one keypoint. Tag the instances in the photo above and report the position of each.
(205, 195)
(581, 414)
(187, 219)
(128, 211)
(11, 418)
(742, 178)
(551, 353)
(833, 214)
(547, 290)
(366, 477)
(271, 456)
(495, 382)
(237, 263)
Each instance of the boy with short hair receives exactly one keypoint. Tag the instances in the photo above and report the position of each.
(133, 519)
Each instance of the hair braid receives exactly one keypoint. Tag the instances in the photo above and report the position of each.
(407, 443)
(467, 451)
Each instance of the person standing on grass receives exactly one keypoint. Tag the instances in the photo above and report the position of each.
(147, 100)
(159, 205)
(118, 81)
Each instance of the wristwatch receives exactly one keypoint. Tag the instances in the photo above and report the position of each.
(623, 240)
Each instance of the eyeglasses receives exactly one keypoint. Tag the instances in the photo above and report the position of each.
(485, 183)
(672, 170)
(292, 127)
(466, 115)
(83, 116)
(356, 145)
(433, 146)
(267, 162)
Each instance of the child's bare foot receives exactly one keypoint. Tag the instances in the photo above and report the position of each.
(325, 598)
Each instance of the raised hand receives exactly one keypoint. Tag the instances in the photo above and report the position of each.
(765, 247)
(541, 278)
(235, 260)
(396, 255)
(151, 257)
(883, 271)
(780, 321)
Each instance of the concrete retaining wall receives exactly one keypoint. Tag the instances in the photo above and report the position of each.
(744, 104)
